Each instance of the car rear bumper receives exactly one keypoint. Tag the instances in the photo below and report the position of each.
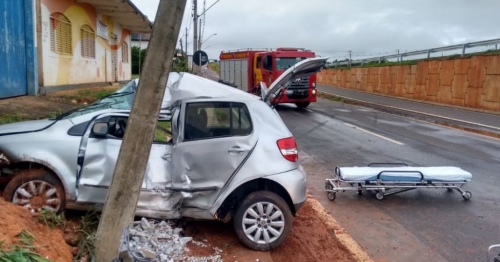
(295, 183)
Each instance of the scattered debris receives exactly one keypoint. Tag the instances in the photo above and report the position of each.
(152, 240)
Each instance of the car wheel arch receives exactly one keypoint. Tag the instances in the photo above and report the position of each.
(29, 165)
(228, 207)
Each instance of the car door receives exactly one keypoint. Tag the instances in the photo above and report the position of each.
(213, 141)
(99, 153)
(257, 75)
(267, 69)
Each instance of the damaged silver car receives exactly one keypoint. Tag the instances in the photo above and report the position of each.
(218, 154)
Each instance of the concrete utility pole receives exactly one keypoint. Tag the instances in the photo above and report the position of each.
(123, 194)
(200, 36)
(349, 58)
(186, 42)
(195, 32)
(140, 51)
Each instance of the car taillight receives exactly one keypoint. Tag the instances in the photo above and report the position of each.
(288, 149)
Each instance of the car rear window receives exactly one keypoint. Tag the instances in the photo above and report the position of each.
(206, 120)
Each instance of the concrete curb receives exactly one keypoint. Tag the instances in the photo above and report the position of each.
(477, 128)
(344, 238)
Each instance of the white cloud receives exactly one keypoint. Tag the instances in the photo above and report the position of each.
(332, 27)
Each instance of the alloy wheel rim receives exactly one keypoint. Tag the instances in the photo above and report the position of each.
(263, 223)
(36, 195)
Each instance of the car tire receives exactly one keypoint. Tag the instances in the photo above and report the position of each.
(265, 229)
(302, 105)
(35, 189)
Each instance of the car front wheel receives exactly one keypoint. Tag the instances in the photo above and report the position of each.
(263, 221)
(36, 190)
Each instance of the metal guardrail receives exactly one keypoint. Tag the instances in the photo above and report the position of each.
(422, 52)
(265, 49)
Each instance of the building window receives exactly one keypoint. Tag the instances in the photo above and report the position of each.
(60, 34)
(88, 41)
(125, 52)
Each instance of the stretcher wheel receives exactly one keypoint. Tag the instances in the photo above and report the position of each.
(331, 196)
(467, 195)
(380, 195)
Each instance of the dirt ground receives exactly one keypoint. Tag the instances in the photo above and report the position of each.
(82, 95)
(312, 239)
(49, 242)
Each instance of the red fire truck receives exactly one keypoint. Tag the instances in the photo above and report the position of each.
(245, 69)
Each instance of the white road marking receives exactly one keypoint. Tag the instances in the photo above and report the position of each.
(377, 135)
(342, 110)
(414, 111)
(308, 110)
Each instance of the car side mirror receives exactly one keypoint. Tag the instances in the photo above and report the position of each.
(100, 129)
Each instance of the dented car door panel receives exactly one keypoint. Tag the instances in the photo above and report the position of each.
(100, 156)
(214, 142)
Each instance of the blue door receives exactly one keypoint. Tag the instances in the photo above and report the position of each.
(13, 65)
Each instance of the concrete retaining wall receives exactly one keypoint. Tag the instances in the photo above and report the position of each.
(471, 82)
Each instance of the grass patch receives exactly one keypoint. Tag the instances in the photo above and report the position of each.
(414, 62)
(14, 118)
(88, 95)
(160, 132)
(331, 97)
(87, 236)
(7, 119)
(376, 64)
(51, 219)
(214, 66)
(24, 251)
(85, 232)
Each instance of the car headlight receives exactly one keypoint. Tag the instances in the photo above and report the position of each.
(314, 91)
(314, 84)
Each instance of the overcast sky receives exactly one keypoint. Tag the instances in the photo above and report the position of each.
(333, 27)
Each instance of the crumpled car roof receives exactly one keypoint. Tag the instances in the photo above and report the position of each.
(185, 86)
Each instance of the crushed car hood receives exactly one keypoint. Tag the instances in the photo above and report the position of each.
(25, 127)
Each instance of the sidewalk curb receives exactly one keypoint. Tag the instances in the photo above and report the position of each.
(477, 128)
(477, 110)
(345, 239)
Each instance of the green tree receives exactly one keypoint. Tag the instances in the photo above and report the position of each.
(135, 59)
(180, 62)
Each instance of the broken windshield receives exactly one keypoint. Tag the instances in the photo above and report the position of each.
(121, 99)
(283, 63)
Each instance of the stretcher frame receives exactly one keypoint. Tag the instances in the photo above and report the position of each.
(385, 188)
(494, 253)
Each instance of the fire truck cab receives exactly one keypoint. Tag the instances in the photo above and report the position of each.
(246, 69)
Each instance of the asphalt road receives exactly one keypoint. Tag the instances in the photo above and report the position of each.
(419, 225)
(488, 120)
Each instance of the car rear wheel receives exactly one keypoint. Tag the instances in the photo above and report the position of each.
(302, 104)
(263, 221)
(35, 190)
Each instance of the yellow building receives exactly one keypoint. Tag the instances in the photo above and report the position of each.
(47, 45)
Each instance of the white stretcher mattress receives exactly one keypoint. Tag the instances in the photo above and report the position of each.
(405, 173)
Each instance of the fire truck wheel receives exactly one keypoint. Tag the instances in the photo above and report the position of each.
(302, 104)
